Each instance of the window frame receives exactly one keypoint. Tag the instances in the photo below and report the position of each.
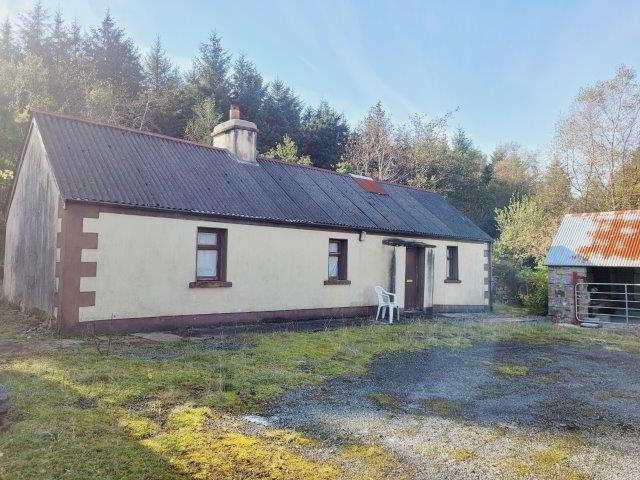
(453, 264)
(220, 247)
(342, 256)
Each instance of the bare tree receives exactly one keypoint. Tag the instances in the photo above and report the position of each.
(599, 136)
(371, 149)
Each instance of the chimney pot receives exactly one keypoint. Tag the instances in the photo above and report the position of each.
(234, 112)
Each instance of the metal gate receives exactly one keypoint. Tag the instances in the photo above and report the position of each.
(608, 302)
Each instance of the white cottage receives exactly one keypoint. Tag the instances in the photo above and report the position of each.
(122, 230)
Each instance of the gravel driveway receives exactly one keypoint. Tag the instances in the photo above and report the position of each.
(493, 410)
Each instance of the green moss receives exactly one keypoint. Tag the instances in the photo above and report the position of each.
(388, 401)
(290, 437)
(231, 456)
(497, 431)
(548, 378)
(604, 395)
(189, 417)
(444, 407)
(462, 454)
(511, 369)
(138, 427)
(550, 462)
(376, 463)
(549, 456)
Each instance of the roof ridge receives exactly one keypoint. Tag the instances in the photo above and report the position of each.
(312, 167)
(413, 187)
(584, 214)
(123, 128)
(326, 170)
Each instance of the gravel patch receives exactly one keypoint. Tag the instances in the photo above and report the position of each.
(493, 410)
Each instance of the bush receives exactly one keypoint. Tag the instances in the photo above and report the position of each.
(522, 286)
(534, 289)
(506, 283)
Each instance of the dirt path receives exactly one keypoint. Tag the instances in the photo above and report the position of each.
(493, 410)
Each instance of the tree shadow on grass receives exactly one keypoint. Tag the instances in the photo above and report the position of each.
(56, 433)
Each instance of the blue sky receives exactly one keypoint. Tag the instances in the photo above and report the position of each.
(511, 67)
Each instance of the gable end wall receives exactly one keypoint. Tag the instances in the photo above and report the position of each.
(32, 225)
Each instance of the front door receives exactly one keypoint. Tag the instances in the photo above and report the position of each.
(413, 279)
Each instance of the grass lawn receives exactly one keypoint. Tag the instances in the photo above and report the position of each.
(170, 411)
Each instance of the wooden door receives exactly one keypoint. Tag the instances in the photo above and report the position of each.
(413, 279)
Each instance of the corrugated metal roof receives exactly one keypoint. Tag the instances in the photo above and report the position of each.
(603, 239)
(99, 163)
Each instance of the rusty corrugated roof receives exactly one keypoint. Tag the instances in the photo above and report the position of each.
(606, 239)
(99, 163)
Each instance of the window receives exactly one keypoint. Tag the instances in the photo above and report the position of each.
(452, 264)
(337, 271)
(210, 255)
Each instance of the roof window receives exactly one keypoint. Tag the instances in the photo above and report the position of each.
(369, 184)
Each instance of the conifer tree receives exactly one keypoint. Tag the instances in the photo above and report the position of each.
(279, 116)
(32, 30)
(209, 77)
(324, 134)
(162, 100)
(114, 59)
(8, 48)
(205, 117)
(247, 90)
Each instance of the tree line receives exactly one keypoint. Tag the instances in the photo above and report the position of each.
(98, 73)
(47, 63)
(515, 195)
(594, 165)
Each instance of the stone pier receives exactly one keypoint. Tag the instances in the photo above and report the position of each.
(562, 281)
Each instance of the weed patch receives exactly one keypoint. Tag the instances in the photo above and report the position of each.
(550, 462)
(462, 454)
(444, 407)
(376, 462)
(387, 401)
(511, 369)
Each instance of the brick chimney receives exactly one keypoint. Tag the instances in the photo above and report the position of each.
(236, 135)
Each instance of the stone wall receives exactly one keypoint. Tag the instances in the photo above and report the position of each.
(561, 292)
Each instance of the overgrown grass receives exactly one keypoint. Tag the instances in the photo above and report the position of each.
(149, 411)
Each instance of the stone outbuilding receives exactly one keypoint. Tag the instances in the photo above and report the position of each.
(594, 268)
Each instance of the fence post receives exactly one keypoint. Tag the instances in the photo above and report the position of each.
(626, 302)
(574, 285)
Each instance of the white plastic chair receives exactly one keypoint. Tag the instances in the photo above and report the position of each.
(384, 302)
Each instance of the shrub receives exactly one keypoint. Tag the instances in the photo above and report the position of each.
(506, 283)
(534, 289)
(522, 286)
